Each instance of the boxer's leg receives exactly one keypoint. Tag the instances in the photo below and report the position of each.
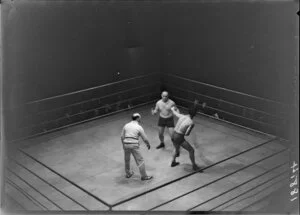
(174, 155)
(191, 151)
(170, 124)
(177, 140)
(161, 132)
(171, 132)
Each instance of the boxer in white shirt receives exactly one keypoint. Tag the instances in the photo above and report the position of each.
(163, 106)
(183, 128)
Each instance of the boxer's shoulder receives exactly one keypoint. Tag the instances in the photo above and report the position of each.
(159, 102)
(171, 102)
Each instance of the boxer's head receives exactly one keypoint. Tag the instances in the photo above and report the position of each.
(136, 117)
(165, 96)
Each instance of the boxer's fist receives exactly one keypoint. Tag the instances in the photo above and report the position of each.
(152, 111)
(176, 109)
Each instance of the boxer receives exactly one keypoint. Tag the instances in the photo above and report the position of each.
(163, 106)
(183, 128)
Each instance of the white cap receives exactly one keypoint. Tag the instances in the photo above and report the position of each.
(136, 115)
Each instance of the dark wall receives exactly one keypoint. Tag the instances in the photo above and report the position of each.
(57, 47)
(69, 61)
(247, 47)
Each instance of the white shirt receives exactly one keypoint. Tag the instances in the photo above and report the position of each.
(132, 131)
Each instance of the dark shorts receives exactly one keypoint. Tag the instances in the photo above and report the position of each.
(166, 122)
(177, 139)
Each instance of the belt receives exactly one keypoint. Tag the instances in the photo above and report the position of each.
(132, 138)
(131, 142)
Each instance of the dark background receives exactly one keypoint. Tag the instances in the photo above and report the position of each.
(56, 47)
(53, 48)
(247, 47)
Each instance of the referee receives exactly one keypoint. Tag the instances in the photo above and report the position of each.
(130, 139)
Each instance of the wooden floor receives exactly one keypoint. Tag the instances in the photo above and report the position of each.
(82, 168)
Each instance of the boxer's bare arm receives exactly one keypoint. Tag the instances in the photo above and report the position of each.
(156, 109)
(175, 111)
(175, 107)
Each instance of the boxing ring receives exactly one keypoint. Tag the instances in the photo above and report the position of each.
(67, 94)
(81, 168)
(72, 159)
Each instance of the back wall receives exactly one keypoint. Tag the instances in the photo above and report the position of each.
(239, 57)
(68, 61)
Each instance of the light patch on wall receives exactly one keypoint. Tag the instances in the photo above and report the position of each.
(135, 59)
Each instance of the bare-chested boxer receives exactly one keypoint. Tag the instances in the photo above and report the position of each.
(183, 128)
(163, 106)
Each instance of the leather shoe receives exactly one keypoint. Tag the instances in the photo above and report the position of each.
(146, 178)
